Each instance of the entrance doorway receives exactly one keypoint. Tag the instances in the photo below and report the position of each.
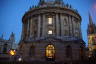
(50, 52)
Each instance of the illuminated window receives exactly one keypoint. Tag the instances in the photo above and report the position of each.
(49, 20)
(50, 32)
(50, 51)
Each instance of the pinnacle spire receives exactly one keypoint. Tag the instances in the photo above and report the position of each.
(50, 1)
(90, 19)
(2, 36)
(12, 37)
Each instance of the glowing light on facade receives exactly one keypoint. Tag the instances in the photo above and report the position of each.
(12, 52)
(50, 32)
(50, 51)
(49, 20)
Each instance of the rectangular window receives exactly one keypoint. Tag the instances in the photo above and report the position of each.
(50, 21)
(50, 32)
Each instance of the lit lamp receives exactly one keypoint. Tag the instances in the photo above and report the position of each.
(12, 52)
(19, 59)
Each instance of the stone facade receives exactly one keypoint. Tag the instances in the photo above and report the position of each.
(6, 46)
(55, 25)
(91, 36)
(64, 20)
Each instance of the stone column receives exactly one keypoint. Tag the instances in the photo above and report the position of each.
(28, 28)
(73, 24)
(22, 35)
(57, 25)
(62, 25)
(39, 25)
(70, 26)
(28, 25)
(53, 23)
(31, 27)
(80, 33)
(78, 28)
(43, 28)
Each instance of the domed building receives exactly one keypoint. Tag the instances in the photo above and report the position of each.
(51, 31)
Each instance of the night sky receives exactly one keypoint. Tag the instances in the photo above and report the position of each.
(11, 12)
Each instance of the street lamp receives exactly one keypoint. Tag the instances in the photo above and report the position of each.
(12, 52)
(20, 59)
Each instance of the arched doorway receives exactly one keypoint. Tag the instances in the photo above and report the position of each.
(50, 52)
(68, 51)
(32, 51)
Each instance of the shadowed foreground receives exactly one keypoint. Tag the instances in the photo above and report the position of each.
(89, 61)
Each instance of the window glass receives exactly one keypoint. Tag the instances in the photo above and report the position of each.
(50, 32)
(49, 20)
(50, 51)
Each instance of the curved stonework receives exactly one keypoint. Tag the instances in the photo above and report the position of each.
(39, 16)
(60, 50)
(57, 26)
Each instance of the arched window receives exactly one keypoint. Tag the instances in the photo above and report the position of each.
(50, 51)
(68, 51)
(65, 21)
(66, 32)
(32, 51)
(5, 48)
(50, 32)
(50, 20)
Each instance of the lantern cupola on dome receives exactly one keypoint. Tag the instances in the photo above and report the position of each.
(50, 2)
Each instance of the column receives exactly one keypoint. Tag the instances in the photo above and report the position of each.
(62, 25)
(77, 29)
(73, 24)
(72, 34)
(31, 27)
(70, 26)
(22, 35)
(28, 28)
(57, 25)
(39, 25)
(43, 26)
(80, 33)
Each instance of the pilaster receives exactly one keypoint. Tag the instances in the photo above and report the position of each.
(43, 30)
(57, 25)
(70, 26)
(31, 27)
(62, 25)
(39, 21)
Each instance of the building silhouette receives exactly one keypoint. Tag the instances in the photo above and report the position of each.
(6, 46)
(51, 31)
(91, 36)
